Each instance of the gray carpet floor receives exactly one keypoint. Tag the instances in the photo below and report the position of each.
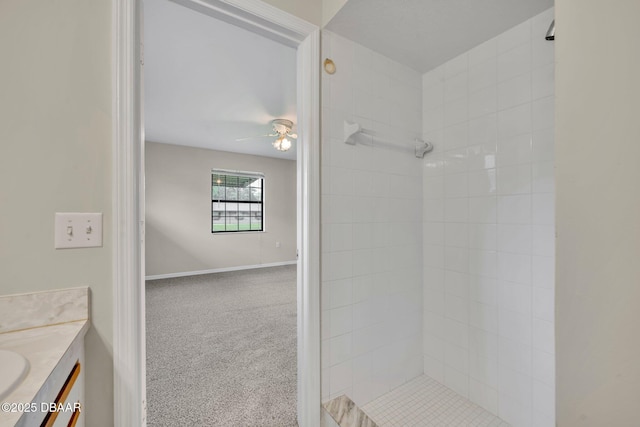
(221, 349)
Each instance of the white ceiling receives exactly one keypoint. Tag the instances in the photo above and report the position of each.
(423, 34)
(208, 83)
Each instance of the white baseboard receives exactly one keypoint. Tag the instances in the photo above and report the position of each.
(218, 270)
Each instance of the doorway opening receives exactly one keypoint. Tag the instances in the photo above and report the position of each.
(129, 171)
(220, 270)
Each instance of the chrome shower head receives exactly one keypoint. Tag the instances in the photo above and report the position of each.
(551, 32)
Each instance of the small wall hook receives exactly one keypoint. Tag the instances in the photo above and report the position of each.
(329, 66)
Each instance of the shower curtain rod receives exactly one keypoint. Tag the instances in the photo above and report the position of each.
(351, 129)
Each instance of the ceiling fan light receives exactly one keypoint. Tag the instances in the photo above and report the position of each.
(281, 144)
(285, 144)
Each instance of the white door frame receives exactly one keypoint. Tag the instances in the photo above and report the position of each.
(128, 196)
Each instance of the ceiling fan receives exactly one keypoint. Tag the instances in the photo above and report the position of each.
(282, 130)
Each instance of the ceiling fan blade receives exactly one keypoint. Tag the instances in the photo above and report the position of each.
(255, 137)
(293, 135)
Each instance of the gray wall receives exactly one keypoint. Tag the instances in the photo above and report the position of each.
(598, 212)
(55, 156)
(178, 197)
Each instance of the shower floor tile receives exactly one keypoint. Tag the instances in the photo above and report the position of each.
(425, 402)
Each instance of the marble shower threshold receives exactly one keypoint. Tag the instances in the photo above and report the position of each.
(347, 414)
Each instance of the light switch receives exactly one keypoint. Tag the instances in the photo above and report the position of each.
(78, 230)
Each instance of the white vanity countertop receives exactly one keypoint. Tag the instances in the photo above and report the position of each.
(42, 343)
(44, 348)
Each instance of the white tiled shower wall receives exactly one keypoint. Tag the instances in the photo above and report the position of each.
(489, 224)
(371, 225)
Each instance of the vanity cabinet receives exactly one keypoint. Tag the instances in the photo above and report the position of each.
(68, 398)
(65, 386)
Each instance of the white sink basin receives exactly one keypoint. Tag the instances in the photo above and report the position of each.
(13, 369)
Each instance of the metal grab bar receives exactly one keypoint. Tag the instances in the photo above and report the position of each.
(351, 129)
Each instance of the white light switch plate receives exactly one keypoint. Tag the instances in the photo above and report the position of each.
(78, 230)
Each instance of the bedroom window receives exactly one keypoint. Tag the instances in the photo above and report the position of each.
(236, 201)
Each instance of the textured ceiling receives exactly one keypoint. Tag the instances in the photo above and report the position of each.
(423, 34)
(208, 83)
